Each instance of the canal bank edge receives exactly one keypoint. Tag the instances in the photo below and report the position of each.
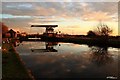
(12, 65)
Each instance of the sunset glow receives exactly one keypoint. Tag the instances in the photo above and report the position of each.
(71, 17)
(66, 39)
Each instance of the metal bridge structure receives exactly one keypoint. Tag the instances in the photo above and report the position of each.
(49, 32)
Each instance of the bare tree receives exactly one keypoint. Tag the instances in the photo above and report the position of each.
(103, 30)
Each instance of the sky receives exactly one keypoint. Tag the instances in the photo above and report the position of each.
(71, 17)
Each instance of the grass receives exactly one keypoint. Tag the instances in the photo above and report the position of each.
(12, 66)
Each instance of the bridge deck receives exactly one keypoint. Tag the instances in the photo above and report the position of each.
(44, 25)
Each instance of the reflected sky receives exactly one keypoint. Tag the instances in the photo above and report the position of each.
(70, 60)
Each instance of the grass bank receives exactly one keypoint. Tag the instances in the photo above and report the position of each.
(12, 66)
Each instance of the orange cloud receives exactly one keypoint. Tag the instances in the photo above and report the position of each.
(96, 16)
(45, 11)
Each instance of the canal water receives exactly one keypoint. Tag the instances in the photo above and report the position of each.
(68, 60)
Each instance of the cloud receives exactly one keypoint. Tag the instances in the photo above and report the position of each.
(96, 16)
(110, 7)
(25, 13)
(45, 11)
(59, 9)
(32, 9)
(99, 11)
(61, 1)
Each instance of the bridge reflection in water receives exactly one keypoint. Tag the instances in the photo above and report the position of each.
(49, 47)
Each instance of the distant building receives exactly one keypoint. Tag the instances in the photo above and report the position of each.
(23, 34)
(18, 34)
(12, 33)
(7, 33)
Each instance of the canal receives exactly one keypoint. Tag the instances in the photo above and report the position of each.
(68, 60)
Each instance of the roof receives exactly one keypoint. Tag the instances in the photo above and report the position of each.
(11, 31)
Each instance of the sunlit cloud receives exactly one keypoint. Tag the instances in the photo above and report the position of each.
(97, 16)
(71, 17)
(61, 1)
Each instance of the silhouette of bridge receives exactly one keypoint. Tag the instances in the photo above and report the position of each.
(49, 32)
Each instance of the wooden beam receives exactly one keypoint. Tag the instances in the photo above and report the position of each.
(44, 25)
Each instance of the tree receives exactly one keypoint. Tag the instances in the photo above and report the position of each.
(91, 33)
(103, 30)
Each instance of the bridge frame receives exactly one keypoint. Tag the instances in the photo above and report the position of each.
(49, 32)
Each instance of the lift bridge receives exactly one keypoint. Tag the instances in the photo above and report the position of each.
(49, 32)
(49, 47)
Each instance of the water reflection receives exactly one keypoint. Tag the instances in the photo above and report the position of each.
(70, 60)
(49, 47)
(16, 42)
(100, 55)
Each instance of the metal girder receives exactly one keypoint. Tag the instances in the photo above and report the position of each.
(44, 25)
